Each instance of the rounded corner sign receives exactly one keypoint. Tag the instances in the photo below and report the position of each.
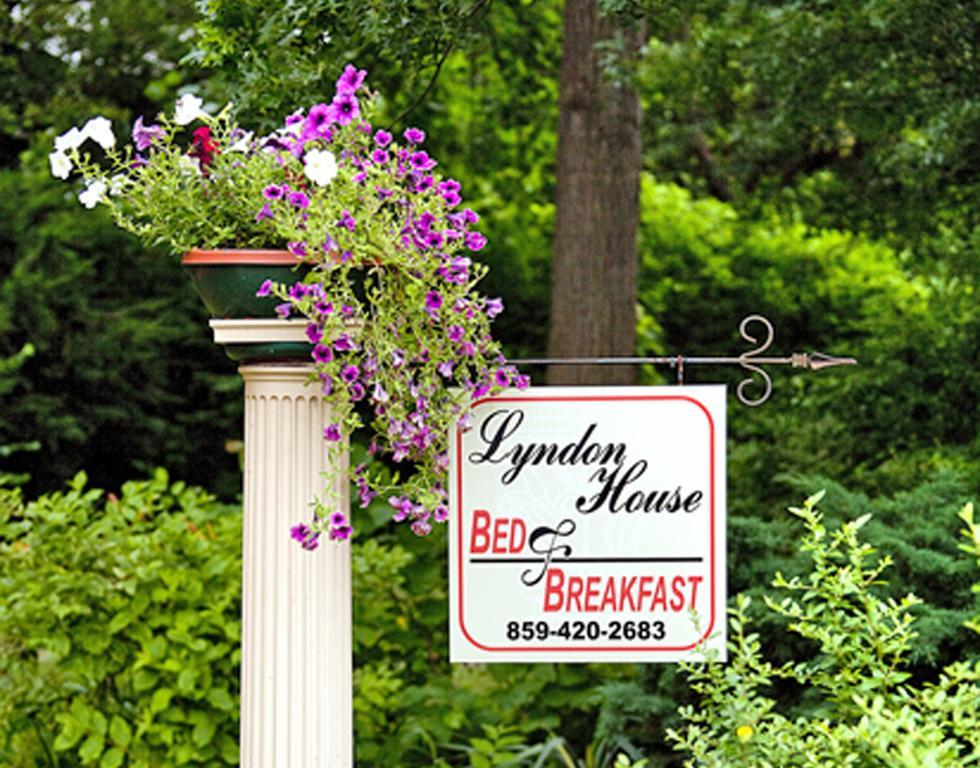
(588, 524)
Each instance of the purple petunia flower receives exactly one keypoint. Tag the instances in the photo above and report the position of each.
(264, 213)
(445, 369)
(345, 108)
(380, 156)
(421, 528)
(501, 378)
(351, 80)
(299, 532)
(493, 307)
(402, 507)
(449, 185)
(365, 494)
(331, 433)
(293, 121)
(314, 333)
(455, 333)
(475, 241)
(145, 135)
(421, 161)
(283, 310)
(440, 513)
(522, 381)
(317, 123)
(414, 136)
(341, 533)
(338, 518)
(382, 138)
(322, 353)
(349, 373)
(344, 343)
(347, 221)
(274, 191)
(299, 200)
(296, 247)
(433, 300)
(265, 289)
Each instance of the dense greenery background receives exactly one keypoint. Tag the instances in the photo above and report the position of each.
(815, 162)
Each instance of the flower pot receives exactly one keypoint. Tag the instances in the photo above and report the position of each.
(227, 280)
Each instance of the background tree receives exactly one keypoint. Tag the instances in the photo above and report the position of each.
(593, 275)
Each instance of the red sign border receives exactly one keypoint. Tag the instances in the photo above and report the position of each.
(581, 648)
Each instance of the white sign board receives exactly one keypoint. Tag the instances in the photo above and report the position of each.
(588, 524)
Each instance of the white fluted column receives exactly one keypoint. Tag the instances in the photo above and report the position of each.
(296, 702)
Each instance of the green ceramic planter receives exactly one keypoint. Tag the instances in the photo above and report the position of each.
(226, 281)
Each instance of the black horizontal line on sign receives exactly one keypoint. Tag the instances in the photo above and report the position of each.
(557, 561)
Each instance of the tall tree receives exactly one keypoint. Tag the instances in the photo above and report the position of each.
(597, 201)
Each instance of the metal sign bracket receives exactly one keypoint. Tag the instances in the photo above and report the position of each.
(751, 361)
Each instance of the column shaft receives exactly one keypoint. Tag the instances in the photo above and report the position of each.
(296, 705)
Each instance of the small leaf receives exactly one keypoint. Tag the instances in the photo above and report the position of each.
(113, 758)
(161, 699)
(91, 749)
(221, 699)
(120, 732)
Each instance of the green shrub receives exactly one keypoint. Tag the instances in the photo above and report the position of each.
(868, 711)
(119, 629)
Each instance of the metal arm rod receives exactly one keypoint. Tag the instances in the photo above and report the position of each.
(750, 361)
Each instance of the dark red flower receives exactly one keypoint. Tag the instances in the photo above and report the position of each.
(203, 147)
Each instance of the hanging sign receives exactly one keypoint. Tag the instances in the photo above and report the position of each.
(588, 524)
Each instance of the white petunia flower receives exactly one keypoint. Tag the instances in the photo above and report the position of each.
(99, 130)
(320, 166)
(117, 184)
(60, 165)
(243, 143)
(189, 164)
(188, 109)
(93, 194)
(70, 139)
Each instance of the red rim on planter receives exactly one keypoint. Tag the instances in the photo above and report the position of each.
(226, 280)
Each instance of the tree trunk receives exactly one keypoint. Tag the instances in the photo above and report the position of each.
(593, 283)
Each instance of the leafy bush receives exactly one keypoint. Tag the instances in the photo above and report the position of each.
(119, 630)
(869, 712)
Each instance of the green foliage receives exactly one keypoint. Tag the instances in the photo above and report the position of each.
(862, 113)
(60, 61)
(705, 266)
(868, 710)
(8, 368)
(124, 374)
(272, 52)
(911, 525)
(119, 630)
(972, 546)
